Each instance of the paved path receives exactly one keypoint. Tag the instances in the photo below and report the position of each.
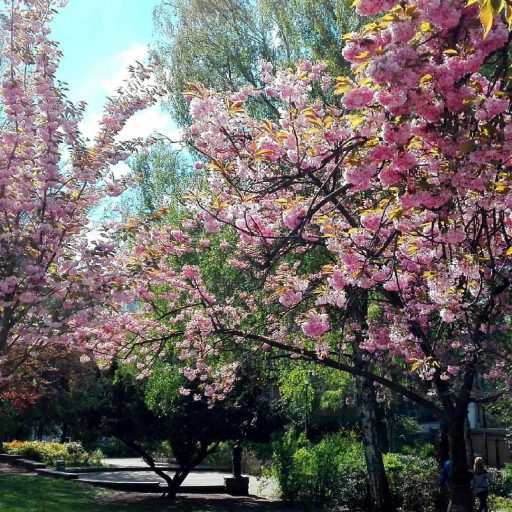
(123, 462)
(256, 487)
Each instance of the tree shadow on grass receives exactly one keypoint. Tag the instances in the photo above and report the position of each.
(39, 494)
(200, 503)
(23, 494)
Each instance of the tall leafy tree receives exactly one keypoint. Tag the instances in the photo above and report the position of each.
(143, 414)
(220, 43)
(163, 177)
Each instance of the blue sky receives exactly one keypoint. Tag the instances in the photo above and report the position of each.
(100, 38)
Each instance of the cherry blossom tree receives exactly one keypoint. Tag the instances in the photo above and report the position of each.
(374, 231)
(51, 276)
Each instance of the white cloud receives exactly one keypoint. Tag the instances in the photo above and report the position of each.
(113, 70)
(89, 125)
(150, 121)
(120, 170)
(107, 76)
(121, 61)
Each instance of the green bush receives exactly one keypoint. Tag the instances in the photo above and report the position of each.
(112, 447)
(422, 450)
(501, 481)
(73, 454)
(501, 504)
(221, 457)
(329, 472)
(414, 481)
(162, 452)
(333, 472)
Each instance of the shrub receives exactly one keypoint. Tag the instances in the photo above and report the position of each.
(502, 504)
(163, 453)
(501, 481)
(112, 447)
(414, 481)
(421, 450)
(329, 472)
(251, 463)
(221, 457)
(333, 472)
(73, 454)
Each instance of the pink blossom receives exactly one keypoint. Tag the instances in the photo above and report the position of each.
(338, 281)
(492, 107)
(447, 316)
(391, 100)
(322, 349)
(357, 98)
(316, 325)
(293, 218)
(369, 7)
(290, 298)
(453, 370)
(190, 272)
(372, 221)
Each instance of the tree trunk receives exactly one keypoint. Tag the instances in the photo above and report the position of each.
(177, 480)
(65, 432)
(173, 483)
(461, 496)
(470, 453)
(380, 494)
(443, 442)
(389, 429)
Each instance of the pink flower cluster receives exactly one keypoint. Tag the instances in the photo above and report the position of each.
(370, 7)
(316, 325)
(357, 98)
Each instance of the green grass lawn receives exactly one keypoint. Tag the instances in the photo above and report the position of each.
(32, 494)
(38, 494)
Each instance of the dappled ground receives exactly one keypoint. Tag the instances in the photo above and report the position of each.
(257, 487)
(20, 492)
(198, 502)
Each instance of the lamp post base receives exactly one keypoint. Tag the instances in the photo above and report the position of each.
(237, 486)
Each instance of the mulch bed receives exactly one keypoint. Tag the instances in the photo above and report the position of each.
(192, 502)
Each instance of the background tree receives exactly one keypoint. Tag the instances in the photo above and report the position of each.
(53, 394)
(163, 177)
(220, 43)
(143, 415)
(317, 400)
